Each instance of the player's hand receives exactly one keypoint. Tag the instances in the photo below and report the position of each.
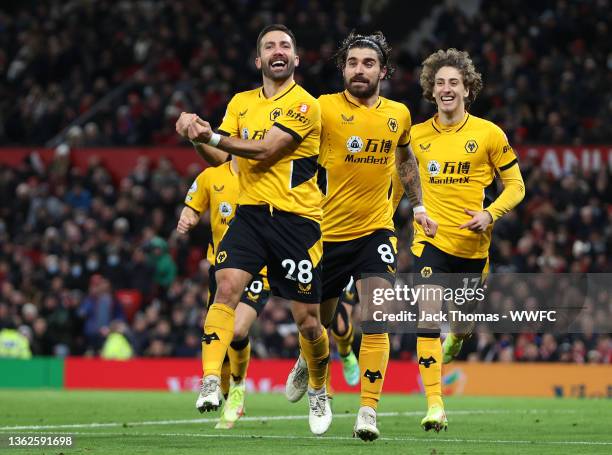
(183, 122)
(479, 221)
(188, 219)
(429, 226)
(199, 130)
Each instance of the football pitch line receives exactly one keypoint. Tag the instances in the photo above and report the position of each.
(254, 419)
(341, 438)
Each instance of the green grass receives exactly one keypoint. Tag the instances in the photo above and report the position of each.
(136, 425)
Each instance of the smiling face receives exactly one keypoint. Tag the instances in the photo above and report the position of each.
(363, 72)
(449, 91)
(277, 59)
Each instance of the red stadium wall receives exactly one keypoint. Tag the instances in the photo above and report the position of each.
(119, 161)
(555, 160)
(473, 379)
(184, 374)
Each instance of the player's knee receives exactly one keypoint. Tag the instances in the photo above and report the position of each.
(241, 331)
(227, 290)
(310, 327)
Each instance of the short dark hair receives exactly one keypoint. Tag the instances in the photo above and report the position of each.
(274, 28)
(375, 41)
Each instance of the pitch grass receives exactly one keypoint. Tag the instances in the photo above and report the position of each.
(140, 423)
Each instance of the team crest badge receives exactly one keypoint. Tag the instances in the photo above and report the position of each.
(426, 272)
(276, 113)
(471, 146)
(221, 257)
(392, 124)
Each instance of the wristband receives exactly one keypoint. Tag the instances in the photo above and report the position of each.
(418, 209)
(213, 141)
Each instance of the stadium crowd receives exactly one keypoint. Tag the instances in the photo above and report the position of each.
(544, 83)
(74, 245)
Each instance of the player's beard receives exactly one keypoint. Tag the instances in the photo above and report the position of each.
(281, 75)
(363, 91)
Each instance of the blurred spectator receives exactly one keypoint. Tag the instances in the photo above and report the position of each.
(116, 346)
(165, 268)
(98, 309)
(544, 79)
(13, 344)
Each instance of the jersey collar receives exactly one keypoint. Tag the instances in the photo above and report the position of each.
(351, 100)
(278, 95)
(449, 128)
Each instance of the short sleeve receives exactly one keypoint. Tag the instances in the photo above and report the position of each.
(300, 119)
(404, 139)
(198, 196)
(229, 124)
(501, 154)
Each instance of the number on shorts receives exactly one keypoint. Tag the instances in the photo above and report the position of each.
(386, 254)
(256, 286)
(304, 267)
(475, 282)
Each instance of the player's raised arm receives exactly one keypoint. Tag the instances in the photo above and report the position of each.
(211, 155)
(408, 170)
(277, 142)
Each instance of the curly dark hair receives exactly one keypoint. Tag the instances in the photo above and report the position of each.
(460, 60)
(375, 41)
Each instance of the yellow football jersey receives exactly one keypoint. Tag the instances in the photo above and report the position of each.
(290, 184)
(217, 189)
(456, 164)
(358, 156)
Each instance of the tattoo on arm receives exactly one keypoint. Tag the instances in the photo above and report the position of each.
(408, 170)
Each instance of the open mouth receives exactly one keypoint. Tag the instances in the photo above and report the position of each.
(447, 99)
(278, 64)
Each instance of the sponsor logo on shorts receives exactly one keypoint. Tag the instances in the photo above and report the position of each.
(304, 288)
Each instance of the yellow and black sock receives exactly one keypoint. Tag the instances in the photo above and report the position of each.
(316, 354)
(429, 354)
(225, 376)
(218, 333)
(328, 387)
(344, 342)
(373, 360)
(239, 353)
